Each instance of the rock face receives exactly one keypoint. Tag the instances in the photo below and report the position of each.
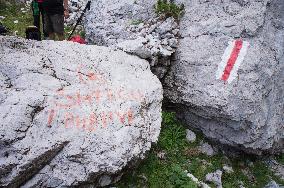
(76, 8)
(73, 115)
(248, 112)
(133, 26)
(108, 19)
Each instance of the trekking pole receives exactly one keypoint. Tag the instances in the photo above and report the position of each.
(88, 6)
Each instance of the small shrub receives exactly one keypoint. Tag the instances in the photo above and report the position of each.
(169, 9)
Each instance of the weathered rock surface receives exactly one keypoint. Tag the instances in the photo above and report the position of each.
(76, 8)
(248, 113)
(276, 167)
(133, 26)
(107, 21)
(206, 149)
(273, 184)
(73, 115)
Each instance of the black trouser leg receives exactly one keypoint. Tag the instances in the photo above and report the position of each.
(37, 21)
(45, 34)
(36, 17)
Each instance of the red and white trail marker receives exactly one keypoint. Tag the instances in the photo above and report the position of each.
(232, 58)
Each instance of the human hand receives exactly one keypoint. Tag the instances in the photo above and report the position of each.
(66, 14)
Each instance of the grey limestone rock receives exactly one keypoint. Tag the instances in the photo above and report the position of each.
(127, 24)
(228, 169)
(113, 17)
(190, 136)
(276, 167)
(248, 112)
(206, 149)
(215, 177)
(73, 115)
(273, 184)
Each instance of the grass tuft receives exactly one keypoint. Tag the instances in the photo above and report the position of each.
(169, 9)
(181, 156)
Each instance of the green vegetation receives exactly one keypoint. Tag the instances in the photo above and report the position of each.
(12, 13)
(180, 156)
(168, 172)
(78, 31)
(169, 9)
(280, 159)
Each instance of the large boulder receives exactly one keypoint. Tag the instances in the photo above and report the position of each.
(73, 115)
(245, 112)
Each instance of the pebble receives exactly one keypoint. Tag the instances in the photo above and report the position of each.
(215, 177)
(206, 149)
(169, 35)
(173, 42)
(164, 42)
(273, 184)
(241, 184)
(228, 169)
(152, 28)
(161, 155)
(195, 180)
(192, 177)
(190, 136)
(175, 32)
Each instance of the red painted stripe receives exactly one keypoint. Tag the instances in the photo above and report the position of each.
(232, 60)
(50, 117)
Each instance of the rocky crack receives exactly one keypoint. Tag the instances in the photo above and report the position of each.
(31, 168)
(36, 110)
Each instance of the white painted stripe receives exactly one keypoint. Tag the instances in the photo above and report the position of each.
(225, 58)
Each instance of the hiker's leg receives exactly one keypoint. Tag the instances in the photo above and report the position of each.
(37, 21)
(41, 10)
(51, 36)
(48, 28)
(58, 25)
(61, 37)
(36, 14)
